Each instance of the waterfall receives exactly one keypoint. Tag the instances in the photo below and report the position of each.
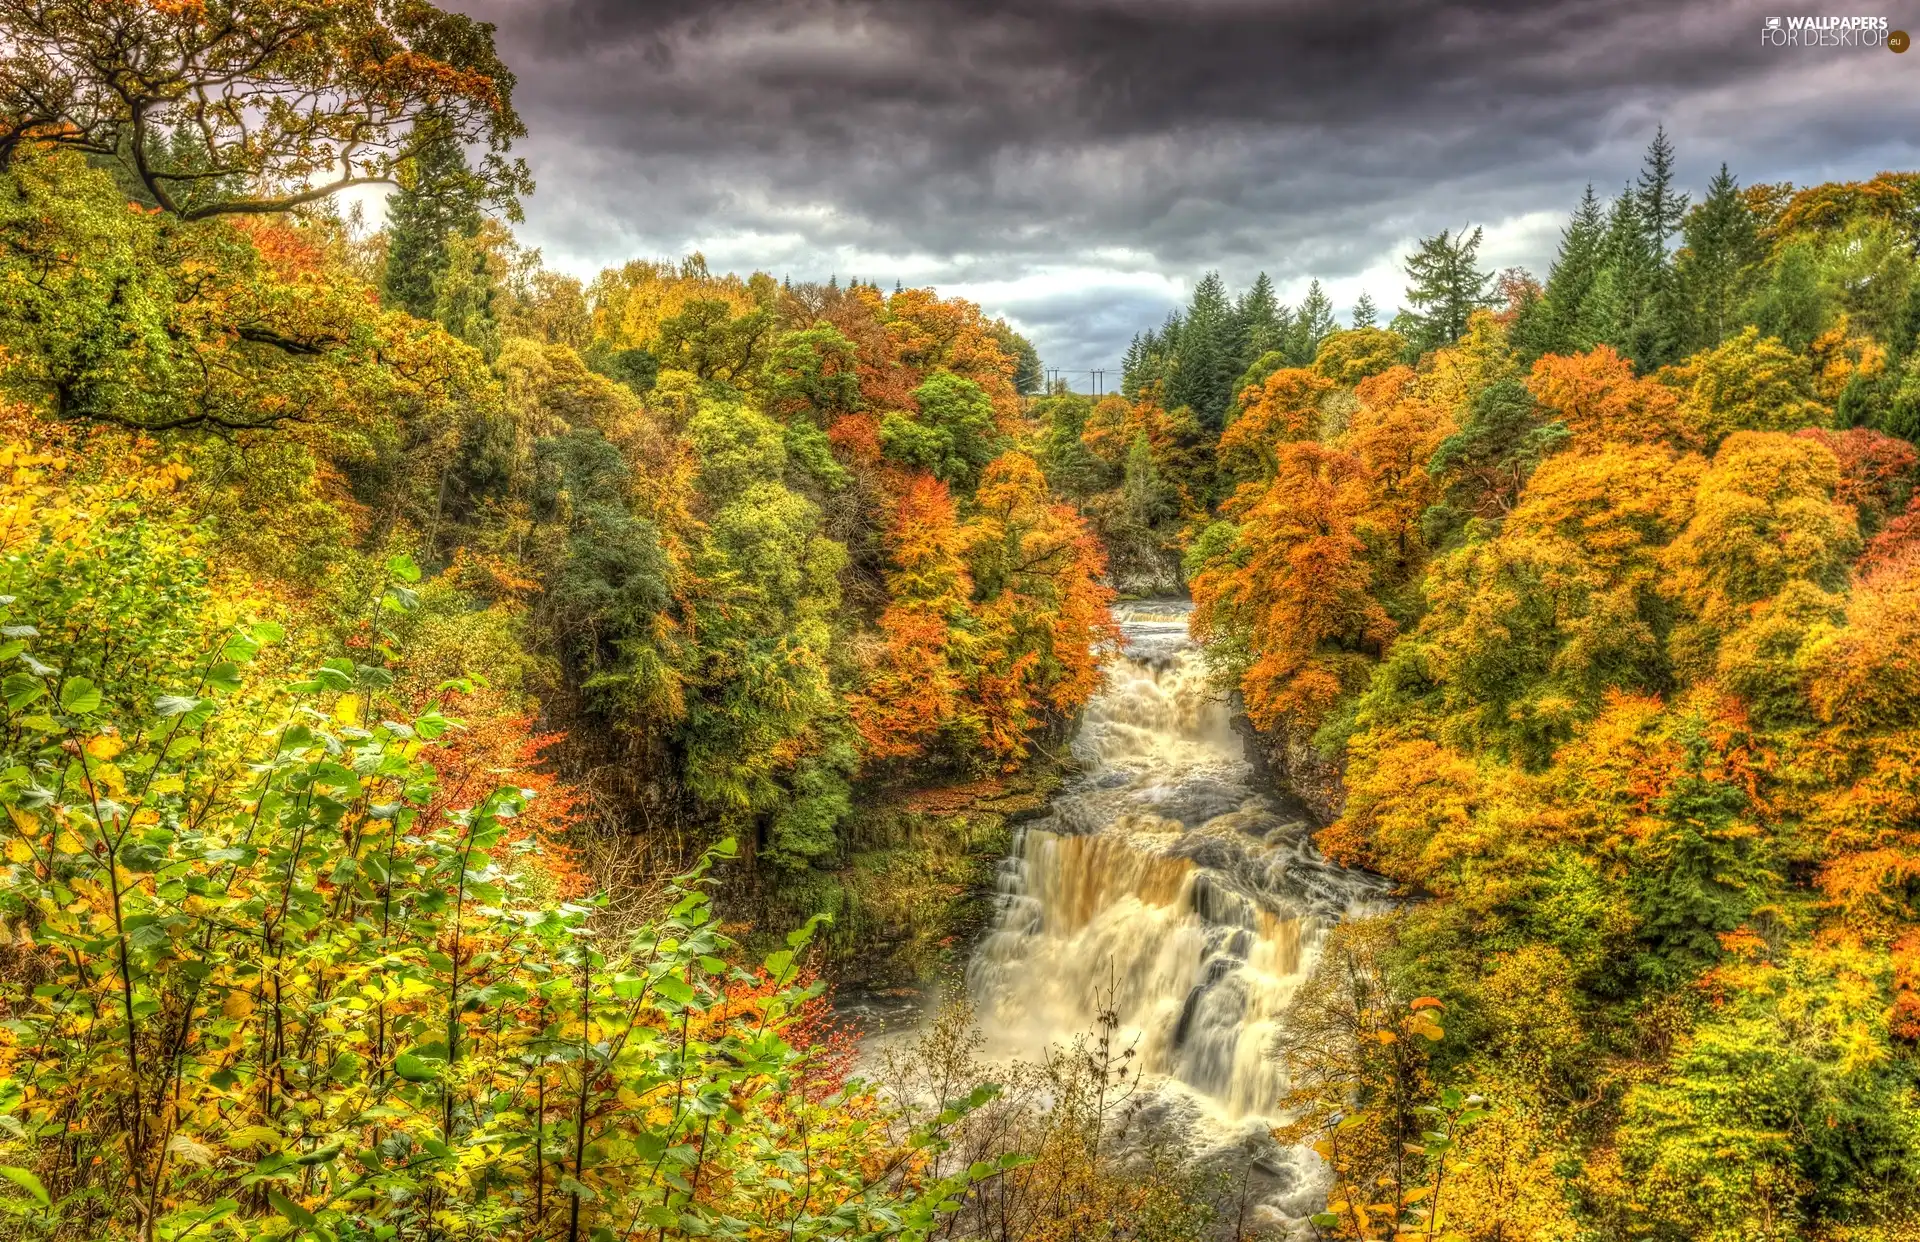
(1167, 886)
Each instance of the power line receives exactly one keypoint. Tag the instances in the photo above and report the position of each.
(1094, 377)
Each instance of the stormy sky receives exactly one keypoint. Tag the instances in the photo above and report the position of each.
(1075, 165)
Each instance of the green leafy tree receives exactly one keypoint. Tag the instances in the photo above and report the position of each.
(952, 437)
(709, 340)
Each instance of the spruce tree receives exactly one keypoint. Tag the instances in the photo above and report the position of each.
(1662, 208)
(1311, 325)
(437, 203)
(1260, 323)
(1716, 267)
(1203, 359)
(1446, 287)
(1571, 280)
(1659, 330)
(1364, 312)
(1618, 309)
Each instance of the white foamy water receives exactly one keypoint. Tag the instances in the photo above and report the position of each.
(1166, 883)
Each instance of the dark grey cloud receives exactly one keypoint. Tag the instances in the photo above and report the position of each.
(1076, 163)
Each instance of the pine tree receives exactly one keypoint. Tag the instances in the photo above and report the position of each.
(1203, 368)
(1364, 311)
(1661, 209)
(1659, 330)
(1311, 324)
(439, 202)
(1148, 358)
(1715, 269)
(1446, 287)
(1616, 312)
(1260, 323)
(1570, 281)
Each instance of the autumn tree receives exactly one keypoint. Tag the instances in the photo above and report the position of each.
(1748, 383)
(1283, 408)
(1764, 520)
(1598, 399)
(1295, 589)
(1040, 605)
(294, 101)
(923, 674)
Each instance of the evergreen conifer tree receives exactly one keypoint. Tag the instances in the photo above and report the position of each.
(1715, 269)
(1446, 287)
(1260, 322)
(1311, 324)
(1203, 367)
(439, 202)
(1570, 282)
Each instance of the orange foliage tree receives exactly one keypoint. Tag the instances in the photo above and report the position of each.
(916, 685)
(1282, 408)
(1599, 399)
(1042, 609)
(1295, 591)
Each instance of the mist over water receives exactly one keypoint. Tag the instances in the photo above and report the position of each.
(1167, 885)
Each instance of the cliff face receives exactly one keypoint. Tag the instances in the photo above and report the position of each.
(1288, 759)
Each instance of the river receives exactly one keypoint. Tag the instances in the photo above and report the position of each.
(1167, 884)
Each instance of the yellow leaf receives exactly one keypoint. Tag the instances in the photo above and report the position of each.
(254, 1136)
(17, 851)
(68, 843)
(25, 821)
(106, 746)
(347, 710)
(237, 1005)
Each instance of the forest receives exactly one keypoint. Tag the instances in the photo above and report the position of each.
(462, 722)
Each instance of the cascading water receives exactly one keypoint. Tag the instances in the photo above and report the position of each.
(1164, 885)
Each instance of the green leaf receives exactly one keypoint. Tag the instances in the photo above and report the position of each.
(321, 1156)
(291, 1210)
(80, 696)
(224, 676)
(21, 689)
(674, 989)
(403, 568)
(25, 1179)
(413, 1068)
(175, 704)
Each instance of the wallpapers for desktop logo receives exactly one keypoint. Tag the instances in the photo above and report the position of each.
(1830, 31)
